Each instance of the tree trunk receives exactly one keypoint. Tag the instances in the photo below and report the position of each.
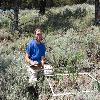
(16, 12)
(97, 11)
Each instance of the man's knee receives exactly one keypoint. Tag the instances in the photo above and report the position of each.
(32, 74)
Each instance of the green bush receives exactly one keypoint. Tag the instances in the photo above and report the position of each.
(12, 82)
(67, 2)
(77, 16)
(4, 22)
(70, 49)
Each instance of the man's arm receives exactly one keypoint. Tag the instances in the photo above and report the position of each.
(35, 63)
(43, 60)
(27, 58)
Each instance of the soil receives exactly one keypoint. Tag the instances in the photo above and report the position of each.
(67, 84)
(82, 83)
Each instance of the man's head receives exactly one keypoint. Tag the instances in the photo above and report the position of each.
(38, 35)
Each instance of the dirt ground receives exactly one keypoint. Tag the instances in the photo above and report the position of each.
(82, 83)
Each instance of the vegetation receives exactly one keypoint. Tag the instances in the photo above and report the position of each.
(35, 3)
(30, 4)
(73, 45)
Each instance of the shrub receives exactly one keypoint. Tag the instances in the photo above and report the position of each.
(72, 48)
(67, 2)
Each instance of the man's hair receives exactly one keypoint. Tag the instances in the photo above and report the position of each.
(37, 29)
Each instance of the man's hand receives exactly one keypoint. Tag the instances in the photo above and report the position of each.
(43, 60)
(35, 63)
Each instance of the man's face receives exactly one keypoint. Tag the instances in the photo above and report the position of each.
(38, 35)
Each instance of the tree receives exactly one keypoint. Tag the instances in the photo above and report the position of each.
(21, 4)
(16, 12)
(97, 12)
(42, 5)
(11, 4)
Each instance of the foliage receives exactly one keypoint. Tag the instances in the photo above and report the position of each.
(67, 2)
(71, 48)
(30, 4)
(98, 84)
(77, 17)
(12, 78)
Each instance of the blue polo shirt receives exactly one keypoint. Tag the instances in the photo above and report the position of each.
(35, 50)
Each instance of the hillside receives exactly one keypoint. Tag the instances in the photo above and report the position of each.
(73, 46)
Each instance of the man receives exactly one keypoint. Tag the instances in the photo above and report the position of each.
(35, 56)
